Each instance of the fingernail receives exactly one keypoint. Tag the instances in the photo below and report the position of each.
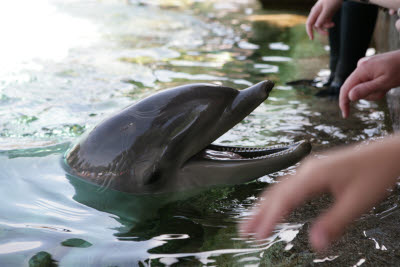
(321, 242)
(319, 239)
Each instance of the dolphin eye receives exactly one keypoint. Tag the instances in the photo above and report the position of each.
(153, 178)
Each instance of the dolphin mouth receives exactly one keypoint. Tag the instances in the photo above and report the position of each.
(236, 153)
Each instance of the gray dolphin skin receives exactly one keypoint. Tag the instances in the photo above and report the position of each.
(163, 143)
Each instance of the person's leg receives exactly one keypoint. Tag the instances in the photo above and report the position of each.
(334, 44)
(334, 53)
(357, 26)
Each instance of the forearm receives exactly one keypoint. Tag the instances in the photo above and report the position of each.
(392, 4)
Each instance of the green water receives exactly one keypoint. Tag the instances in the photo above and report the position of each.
(67, 65)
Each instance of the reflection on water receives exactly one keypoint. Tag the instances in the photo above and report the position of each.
(66, 65)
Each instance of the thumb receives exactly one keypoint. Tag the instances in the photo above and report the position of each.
(324, 19)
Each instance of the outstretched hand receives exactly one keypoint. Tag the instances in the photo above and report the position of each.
(358, 178)
(371, 80)
(320, 17)
(398, 21)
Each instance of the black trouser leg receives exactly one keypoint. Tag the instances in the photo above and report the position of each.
(357, 23)
(334, 44)
(349, 40)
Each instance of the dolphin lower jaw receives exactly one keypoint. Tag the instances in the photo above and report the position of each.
(232, 165)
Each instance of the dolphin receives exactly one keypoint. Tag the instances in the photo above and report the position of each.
(163, 143)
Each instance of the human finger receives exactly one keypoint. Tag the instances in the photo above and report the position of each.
(312, 17)
(323, 19)
(362, 90)
(321, 31)
(330, 225)
(273, 206)
(283, 198)
(278, 207)
(344, 101)
(398, 25)
(271, 209)
(375, 96)
(329, 25)
(248, 225)
(362, 60)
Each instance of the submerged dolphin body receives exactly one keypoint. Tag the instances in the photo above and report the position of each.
(163, 142)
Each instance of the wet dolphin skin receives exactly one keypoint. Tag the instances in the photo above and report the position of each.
(163, 143)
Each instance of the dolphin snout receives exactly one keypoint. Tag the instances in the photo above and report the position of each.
(267, 85)
(262, 88)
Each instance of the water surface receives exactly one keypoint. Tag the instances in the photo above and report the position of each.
(67, 65)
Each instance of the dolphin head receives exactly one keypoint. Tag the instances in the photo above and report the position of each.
(164, 142)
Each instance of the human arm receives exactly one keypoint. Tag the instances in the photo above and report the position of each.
(392, 4)
(398, 21)
(357, 177)
(371, 80)
(320, 17)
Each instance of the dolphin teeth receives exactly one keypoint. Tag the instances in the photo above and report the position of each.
(254, 153)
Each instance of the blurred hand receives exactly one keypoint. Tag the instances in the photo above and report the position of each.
(371, 80)
(320, 17)
(358, 178)
(393, 12)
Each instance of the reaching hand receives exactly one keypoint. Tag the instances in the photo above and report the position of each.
(357, 178)
(393, 12)
(320, 16)
(371, 80)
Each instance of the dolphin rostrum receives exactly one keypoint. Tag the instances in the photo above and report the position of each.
(163, 142)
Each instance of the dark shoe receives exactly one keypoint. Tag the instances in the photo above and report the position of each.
(317, 82)
(329, 81)
(332, 91)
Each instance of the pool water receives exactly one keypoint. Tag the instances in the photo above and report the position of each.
(67, 65)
